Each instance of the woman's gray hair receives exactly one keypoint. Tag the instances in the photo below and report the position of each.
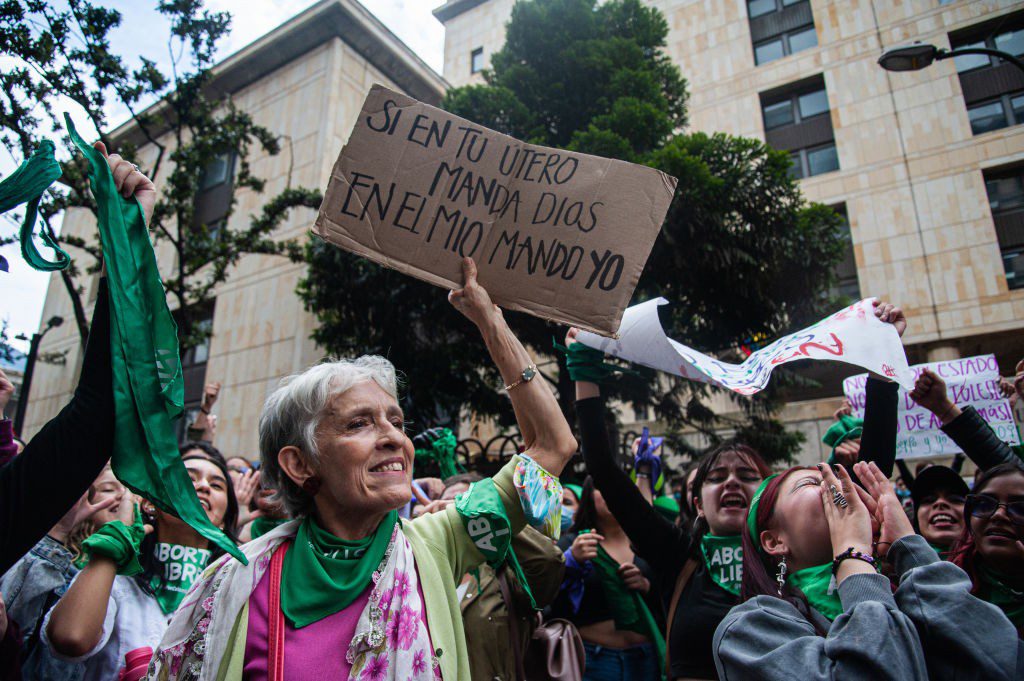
(292, 414)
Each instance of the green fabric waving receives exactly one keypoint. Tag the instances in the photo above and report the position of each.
(26, 185)
(442, 450)
(723, 557)
(628, 607)
(816, 583)
(147, 381)
(487, 524)
(323, 575)
(996, 591)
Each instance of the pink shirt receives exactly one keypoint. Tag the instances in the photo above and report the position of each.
(315, 652)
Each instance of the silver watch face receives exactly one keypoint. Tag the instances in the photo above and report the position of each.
(529, 373)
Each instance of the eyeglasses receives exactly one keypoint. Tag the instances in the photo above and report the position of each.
(984, 506)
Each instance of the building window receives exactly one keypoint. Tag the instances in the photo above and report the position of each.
(993, 88)
(216, 190)
(847, 283)
(780, 27)
(1005, 190)
(797, 120)
(193, 370)
(476, 60)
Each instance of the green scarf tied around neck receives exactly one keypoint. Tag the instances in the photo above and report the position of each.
(181, 566)
(628, 608)
(996, 591)
(322, 575)
(723, 557)
(26, 185)
(816, 584)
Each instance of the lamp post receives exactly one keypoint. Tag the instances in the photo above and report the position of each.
(30, 365)
(920, 55)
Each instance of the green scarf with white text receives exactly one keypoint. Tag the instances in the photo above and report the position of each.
(723, 557)
(181, 566)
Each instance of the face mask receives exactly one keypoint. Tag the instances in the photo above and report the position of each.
(567, 517)
(678, 496)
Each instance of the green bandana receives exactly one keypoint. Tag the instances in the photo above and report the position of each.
(723, 557)
(815, 582)
(846, 428)
(260, 526)
(442, 450)
(943, 552)
(181, 566)
(323, 575)
(488, 526)
(26, 185)
(587, 364)
(118, 542)
(147, 379)
(752, 513)
(628, 608)
(997, 592)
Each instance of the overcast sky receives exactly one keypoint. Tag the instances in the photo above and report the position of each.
(22, 290)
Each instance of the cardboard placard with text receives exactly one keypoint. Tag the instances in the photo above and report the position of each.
(554, 233)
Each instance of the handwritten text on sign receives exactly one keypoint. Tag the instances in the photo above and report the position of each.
(970, 381)
(554, 233)
(853, 335)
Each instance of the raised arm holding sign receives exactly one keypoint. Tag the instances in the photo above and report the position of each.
(558, 234)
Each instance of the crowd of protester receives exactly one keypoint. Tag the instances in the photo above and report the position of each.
(358, 569)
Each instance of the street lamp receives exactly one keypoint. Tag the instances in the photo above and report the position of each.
(919, 55)
(30, 365)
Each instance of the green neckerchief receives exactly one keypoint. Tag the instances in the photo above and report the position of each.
(323, 575)
(943, 552)
(723, 557)
(26, 185)
(487, 524)
(261, 525)
(181, 566)
(147, 379)
(816, 583)
(628, 608)
(997, 592)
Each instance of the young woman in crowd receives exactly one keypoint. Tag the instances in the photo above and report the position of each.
(938, 493)
(346, 590)
(134, 580)
(608, 595)
(698, 571)
(991, 549)
(815, 605)
(42, 576)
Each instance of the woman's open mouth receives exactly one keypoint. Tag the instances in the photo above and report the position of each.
(733, 500)
(942, 521)
(389, 466)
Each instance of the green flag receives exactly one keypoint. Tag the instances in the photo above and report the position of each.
(148, 386)
(26, 185)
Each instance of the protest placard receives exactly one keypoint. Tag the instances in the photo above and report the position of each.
(970, 381)
(853, 335)
(558, 234)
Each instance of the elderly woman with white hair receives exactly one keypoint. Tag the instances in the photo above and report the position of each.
(348, 590)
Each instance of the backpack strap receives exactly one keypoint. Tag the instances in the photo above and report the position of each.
(681, 581)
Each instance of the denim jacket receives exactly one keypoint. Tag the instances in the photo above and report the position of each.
(30, 588)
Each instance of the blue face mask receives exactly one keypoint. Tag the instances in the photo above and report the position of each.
(567, 517)
(678, 496)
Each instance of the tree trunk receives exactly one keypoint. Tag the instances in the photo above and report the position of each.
(76, 303)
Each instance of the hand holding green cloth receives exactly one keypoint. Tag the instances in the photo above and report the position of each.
(118, 542)
(26, 185)
(487, 524)
(587, 364)
(629, 610)
(442, 450)
(147, 380)
(323, 575)
(846, 428)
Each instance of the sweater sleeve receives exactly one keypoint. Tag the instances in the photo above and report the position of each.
(767, 638)
(962, 636)
(41, 484)
(542, 563)
(972, 434)
(878, 441)
(661, 543)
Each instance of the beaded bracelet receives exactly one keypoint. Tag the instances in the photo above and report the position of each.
(852, 553)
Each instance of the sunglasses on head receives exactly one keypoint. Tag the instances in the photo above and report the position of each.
(984, 506)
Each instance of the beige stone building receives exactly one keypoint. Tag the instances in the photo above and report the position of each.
(928, 166)
(305, 81)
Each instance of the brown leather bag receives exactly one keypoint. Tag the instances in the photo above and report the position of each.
(555, 650)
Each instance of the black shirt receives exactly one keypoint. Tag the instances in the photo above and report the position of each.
(56, 468)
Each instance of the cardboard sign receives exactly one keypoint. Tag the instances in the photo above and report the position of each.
(558, 234)
(970, 381)
(853, 335)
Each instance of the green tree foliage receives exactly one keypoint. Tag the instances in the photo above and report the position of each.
(62, 53)
(741, 254)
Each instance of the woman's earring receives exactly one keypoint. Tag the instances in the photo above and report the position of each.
(781, 577)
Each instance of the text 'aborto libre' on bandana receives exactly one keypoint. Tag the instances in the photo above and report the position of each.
(182, 565)
(723, 557)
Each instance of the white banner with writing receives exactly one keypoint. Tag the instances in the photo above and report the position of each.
(853, 335)
(970, 381)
